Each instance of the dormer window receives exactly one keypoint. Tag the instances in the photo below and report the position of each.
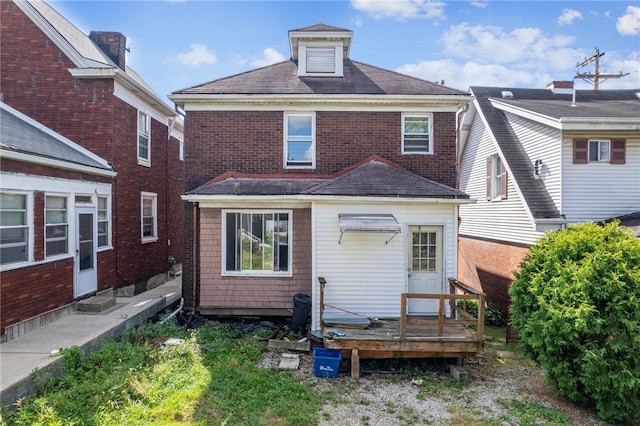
(320, 50)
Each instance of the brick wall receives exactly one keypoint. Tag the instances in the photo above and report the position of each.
(489, 266)
(259, 293)
(27, 292)
(252, 142)
(35, 80)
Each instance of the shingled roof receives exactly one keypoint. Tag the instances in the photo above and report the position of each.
(373, 177)
(23, 135)
(282, 79)
(533, 190)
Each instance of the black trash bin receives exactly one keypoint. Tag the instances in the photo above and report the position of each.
(301, 310)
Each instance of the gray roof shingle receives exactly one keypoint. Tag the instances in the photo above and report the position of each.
(20, 135)
(374, 177)
(282, 79)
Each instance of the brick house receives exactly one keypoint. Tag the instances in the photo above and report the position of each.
(80, 87)
(318, 166)
(537, 160)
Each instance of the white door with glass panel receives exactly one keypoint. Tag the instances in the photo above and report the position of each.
(425, 268)
(86, 247)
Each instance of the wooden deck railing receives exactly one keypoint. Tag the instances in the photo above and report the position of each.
(457, 315)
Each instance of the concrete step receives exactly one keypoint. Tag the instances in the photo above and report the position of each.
(100, 302)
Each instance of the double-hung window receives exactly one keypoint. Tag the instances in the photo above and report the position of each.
(299, 141)
(149, 216)
(612, 151)
(14, 228)
(496, 179)
(417, 134)
(144, 139)
(56, 226)
(257, 242)
(103, 221)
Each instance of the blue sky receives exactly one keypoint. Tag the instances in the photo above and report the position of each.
(176, 44)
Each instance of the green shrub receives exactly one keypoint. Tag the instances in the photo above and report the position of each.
(492, 316)
(576, 306)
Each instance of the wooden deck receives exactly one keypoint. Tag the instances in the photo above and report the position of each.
(413, 337)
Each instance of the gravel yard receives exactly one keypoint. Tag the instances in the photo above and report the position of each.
(499, 391)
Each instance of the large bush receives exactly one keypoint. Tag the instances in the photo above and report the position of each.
(576, 306)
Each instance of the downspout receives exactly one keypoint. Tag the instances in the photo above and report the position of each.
(459, 114)
(193, 260)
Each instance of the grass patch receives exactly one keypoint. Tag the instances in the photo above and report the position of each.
(530, 413)
(210, 379)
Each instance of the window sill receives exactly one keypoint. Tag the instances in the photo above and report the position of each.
(417, 153)
(258, 274)
(148, 240)
(144, 163)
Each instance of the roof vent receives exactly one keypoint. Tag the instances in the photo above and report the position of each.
(506, 94)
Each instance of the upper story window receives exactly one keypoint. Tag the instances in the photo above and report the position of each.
(144, 139)
(496, 179)
(299, 141)
(611, 151)
(257, 242)
(149, 216)
(14, 228)
(417, 134)
(103, 221)
(56, 226)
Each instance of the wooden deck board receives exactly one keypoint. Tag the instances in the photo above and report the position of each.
(422, 341)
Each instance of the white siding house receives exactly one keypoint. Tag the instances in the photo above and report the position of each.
(567, 160)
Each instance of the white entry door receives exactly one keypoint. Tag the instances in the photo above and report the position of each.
(86, 246)
(425, 268)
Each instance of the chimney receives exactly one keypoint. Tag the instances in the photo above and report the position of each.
(561, 87)
(113, 44)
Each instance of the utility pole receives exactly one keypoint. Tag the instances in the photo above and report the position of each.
(595, 77)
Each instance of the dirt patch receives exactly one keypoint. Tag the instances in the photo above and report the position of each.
(412, 392)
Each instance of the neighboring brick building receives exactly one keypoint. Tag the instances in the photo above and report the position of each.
(79, 86)
(318, 166)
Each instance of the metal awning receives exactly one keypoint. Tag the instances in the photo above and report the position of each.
(385, 223)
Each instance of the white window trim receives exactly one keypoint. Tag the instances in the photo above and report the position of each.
(30, 232)
(599, 141)
(496, 178)
(431, 148)
(226, 273)
(285, 143)
(109, 224)
(141, 160)
(154, 197)
(70, 226)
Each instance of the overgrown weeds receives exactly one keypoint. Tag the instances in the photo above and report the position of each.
(209, 377)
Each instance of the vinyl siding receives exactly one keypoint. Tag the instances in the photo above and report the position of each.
(505, 220)
(365, 274)
(596, 191)
(543, 143)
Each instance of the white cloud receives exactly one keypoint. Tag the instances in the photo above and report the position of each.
(197, 55)
(270, 56)
(568, 16)
(629, 24)
(480, 4)
(400, 9)
(492, 44)
(462, 75)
